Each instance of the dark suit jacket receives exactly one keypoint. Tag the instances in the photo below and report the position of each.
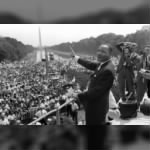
(141, 82)
(96, 99)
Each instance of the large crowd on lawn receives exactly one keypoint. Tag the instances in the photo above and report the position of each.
(27, 92)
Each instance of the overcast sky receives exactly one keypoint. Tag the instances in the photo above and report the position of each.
(57, 33)
(39, 10)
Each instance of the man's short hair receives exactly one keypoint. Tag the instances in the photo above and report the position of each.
(109, 47)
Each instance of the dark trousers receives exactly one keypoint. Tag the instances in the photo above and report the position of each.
(148, 88)
(75, 116)
(141, 88)
(69, 110)
(126, 81)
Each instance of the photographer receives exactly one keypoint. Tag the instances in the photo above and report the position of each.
(125, 71)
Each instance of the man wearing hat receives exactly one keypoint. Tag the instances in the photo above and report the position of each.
(125, 70)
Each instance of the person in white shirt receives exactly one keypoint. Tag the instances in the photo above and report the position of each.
(113, 112)
(4, 120)
(41, 112)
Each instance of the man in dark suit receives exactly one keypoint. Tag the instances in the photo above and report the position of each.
(143, 85)
(141, 82)
(96, 98)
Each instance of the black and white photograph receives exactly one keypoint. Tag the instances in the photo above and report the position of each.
(77, 74)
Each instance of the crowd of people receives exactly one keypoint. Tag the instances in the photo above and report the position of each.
(28, 92)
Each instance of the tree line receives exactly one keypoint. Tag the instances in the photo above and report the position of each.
(89, 46)
(12, 50)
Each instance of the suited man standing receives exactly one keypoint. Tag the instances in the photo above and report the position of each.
(96, 98)
(143, 85)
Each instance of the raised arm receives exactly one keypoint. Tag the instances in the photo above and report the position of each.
(88, 64)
